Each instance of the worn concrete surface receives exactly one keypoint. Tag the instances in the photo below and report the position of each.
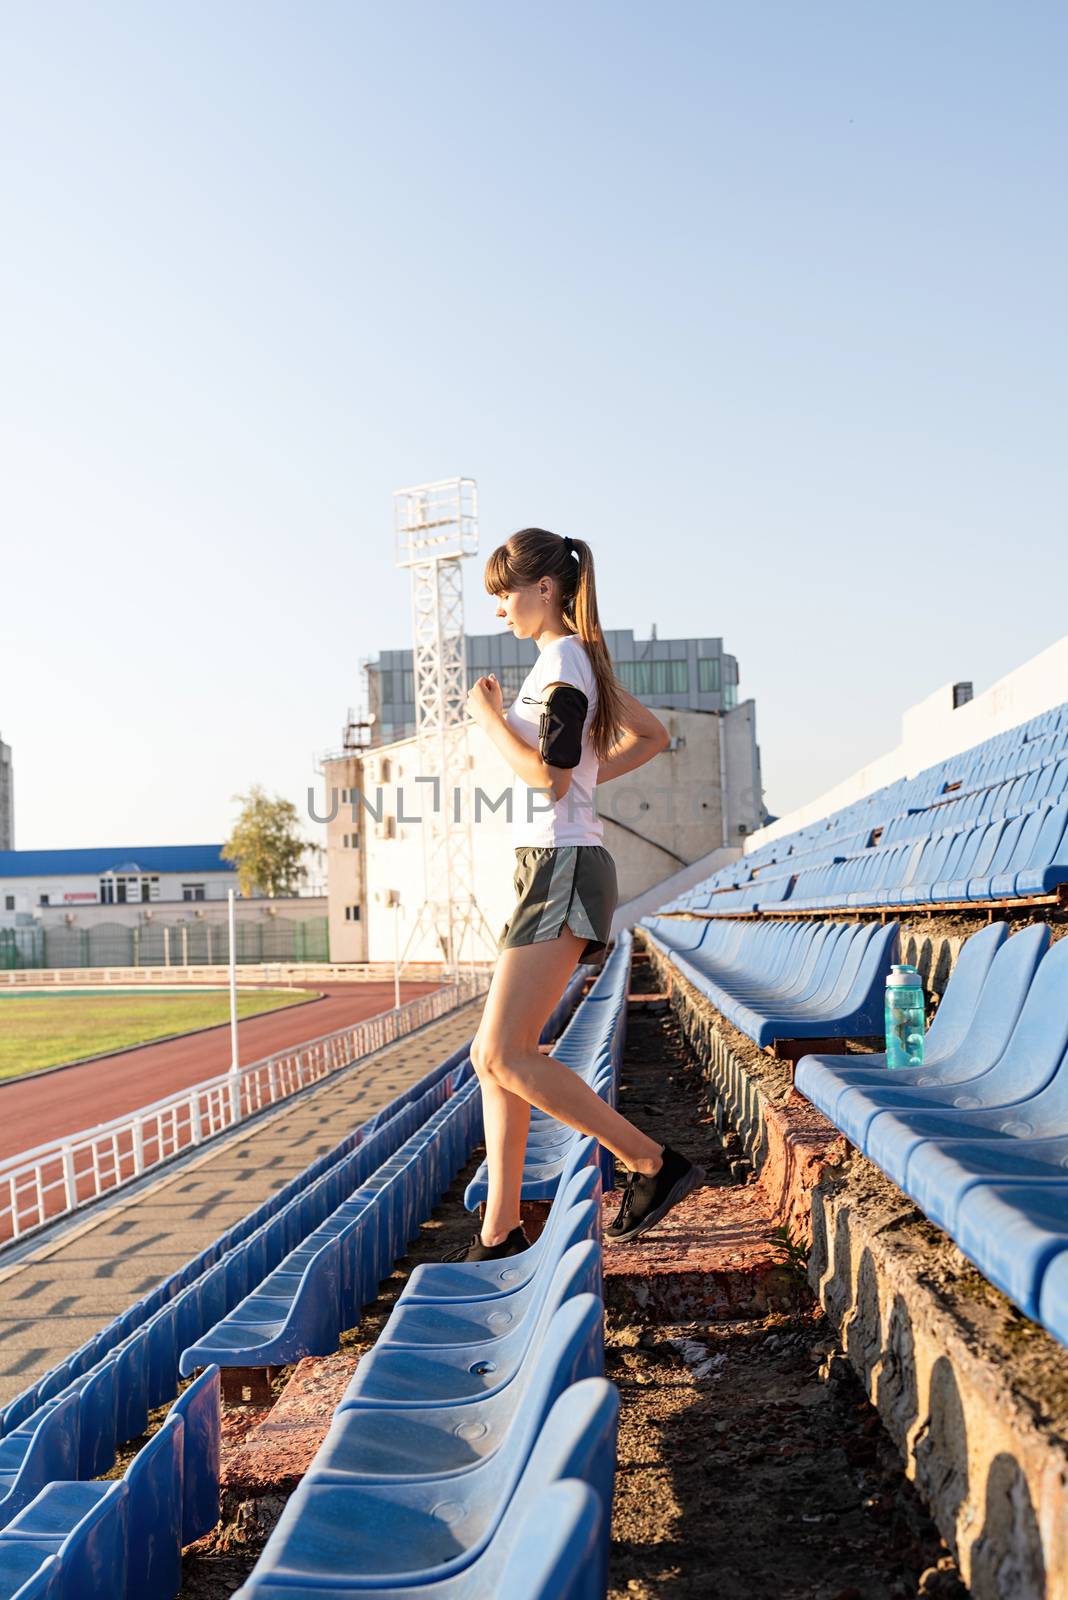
(974, 1395)
(712, 1257)
(77, 1279)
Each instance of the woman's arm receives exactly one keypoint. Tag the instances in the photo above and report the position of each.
(644, 736)
(485, 704)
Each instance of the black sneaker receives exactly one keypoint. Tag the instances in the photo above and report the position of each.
(647, 1200)
(515, 1243)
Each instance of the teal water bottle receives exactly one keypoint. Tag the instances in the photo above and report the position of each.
(904, 1018)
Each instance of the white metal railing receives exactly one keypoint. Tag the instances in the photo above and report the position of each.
(56, 1178)
(257, 972)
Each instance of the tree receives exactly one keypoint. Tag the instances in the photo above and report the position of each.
(265, 846)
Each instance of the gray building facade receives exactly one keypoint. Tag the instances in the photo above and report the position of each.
(670, 674)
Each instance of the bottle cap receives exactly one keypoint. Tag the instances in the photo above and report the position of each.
(903, 977)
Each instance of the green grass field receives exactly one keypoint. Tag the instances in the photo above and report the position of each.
(38, 1030)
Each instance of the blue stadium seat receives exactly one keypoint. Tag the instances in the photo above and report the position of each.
(375, 1443)
(852, 1105)
(199, 1407)
(85, 1525)
(44, 1447)
(408, 1535)
(421, 1323)
(824, 1078)
(392, 1375)
(318, 1290)
(549, 1549)
(1013, 1232)
(154, 1549)
(1022, 1096)
(940, 1174)
(441, 1282)
(1053, 1300)
(27, 1574)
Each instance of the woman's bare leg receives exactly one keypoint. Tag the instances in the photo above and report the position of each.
(527, 982)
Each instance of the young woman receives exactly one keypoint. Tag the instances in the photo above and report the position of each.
(571, 727)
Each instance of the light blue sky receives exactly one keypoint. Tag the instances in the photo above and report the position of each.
(766, 301)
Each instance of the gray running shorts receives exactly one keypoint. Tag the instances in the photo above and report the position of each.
(572, 885)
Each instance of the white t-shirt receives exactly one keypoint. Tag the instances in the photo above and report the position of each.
(536, 819)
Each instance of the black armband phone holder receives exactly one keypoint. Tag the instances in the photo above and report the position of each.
(560, 729)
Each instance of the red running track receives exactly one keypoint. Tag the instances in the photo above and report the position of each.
(38, 1108)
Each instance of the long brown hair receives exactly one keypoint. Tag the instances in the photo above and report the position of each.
(535, 553)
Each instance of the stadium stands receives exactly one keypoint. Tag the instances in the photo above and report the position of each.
(978, 1137)
(988, 826)
(63, 1531)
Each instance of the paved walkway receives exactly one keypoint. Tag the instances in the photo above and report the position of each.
(70, 1286)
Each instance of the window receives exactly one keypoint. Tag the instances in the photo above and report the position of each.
(192, 891)
(9, 902)
(352, 913)
(730, 697)
(708, 675)
(44, 900)
(654, 677)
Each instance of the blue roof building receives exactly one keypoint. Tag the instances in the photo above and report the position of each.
(112, 875)
(117, 858)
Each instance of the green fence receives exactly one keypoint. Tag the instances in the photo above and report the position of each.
(158, 944)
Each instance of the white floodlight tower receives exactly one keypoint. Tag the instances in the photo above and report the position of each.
(436, 527)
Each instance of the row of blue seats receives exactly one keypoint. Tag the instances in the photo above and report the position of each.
(113, 1398)
(592, 1045)
(481, 1413)
(780, 981)
(982, 766)
(978, 1137)
(1044, 785)
(320, 1288)
(1023, 856)
(91, 1353)
(994, 781)
(116, 1539)
(79, 1420)
(75, 1422)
